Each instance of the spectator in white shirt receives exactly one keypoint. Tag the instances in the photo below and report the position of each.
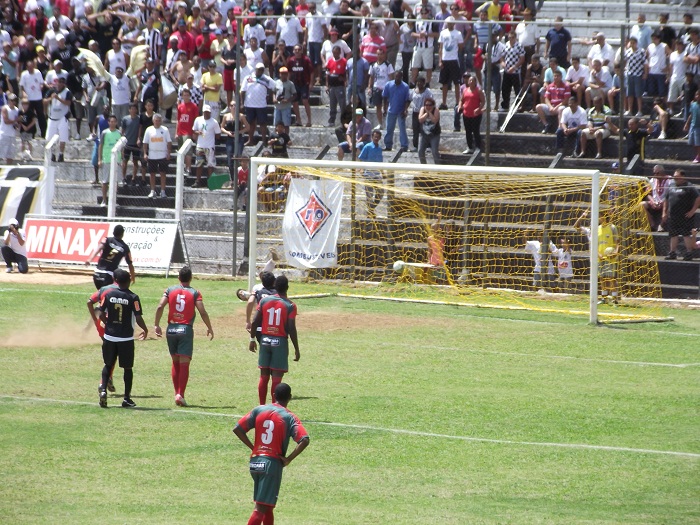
(602, 51)
(577, 77)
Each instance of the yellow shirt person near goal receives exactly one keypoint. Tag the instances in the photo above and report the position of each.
(211, 85)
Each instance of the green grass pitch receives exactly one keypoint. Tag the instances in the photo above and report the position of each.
(417, 414)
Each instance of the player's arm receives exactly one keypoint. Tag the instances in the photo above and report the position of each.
(97, 250)
(132, 272)
(205, 317)
(297, 450)
(159, 313)
(253, 328)
(292, 331)
(241, 434)
(142, 325)
(249, 307)
(91, 309)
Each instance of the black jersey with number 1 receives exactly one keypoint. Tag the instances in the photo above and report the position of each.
(113, 250)
(119, 307)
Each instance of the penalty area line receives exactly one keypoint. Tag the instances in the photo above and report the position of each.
(370, 428)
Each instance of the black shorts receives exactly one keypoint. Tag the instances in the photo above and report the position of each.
(131, 151)
(157, 166)
(680, 226)
(123, 350)
(450, 73)
(102, 279)
(302, 91)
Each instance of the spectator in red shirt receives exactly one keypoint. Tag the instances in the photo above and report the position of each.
(556, 99)
(336, 83)
(372, 42)
(185, 41)
(187, 111)
(38, 25)
(300, 69)
(203, 44)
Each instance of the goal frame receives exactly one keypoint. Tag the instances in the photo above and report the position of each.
(595, 190)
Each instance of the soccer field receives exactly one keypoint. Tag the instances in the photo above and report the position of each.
(417, 414)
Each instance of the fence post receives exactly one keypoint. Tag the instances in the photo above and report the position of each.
(180, 176)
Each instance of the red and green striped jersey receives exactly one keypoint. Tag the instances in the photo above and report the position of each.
(275, 312)
(181, 302)
(273, 425)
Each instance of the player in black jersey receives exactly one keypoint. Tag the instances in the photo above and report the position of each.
(119, 306)
(111, 251)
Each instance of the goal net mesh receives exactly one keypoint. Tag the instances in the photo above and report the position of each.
(468, 237)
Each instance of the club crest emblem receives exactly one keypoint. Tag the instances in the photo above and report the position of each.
(313, 215)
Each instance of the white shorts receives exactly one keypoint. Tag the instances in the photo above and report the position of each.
(215, 109)
(57, 127)
(675, 90)
(104, 172)
(7, 147)
(205, 156)
(590, 134)
(423, 57)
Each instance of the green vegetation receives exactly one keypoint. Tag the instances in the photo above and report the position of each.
(417, 414)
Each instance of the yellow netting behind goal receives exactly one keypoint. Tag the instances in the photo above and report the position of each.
(472, 237)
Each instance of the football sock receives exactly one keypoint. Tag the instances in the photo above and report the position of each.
(269, 518)
(128, 381)
(275, 381)
(262, 388)
(175, 374)
(256, 518)
(184, 376)
(105, 376)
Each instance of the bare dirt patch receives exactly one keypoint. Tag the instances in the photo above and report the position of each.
(62, 333)
(53, 276)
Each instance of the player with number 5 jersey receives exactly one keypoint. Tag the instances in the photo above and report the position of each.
(276, 314)
(183, 303)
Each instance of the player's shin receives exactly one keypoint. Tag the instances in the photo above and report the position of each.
(262, 388)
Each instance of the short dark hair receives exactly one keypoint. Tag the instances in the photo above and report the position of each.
(282, 284)
(283, 392)
(268, 279)
(118, 231)
(185, 274)
(121, 277)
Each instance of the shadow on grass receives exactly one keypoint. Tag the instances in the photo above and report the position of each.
(303, 398)
(190, 405)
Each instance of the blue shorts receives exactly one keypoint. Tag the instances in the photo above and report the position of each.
(95, 150)
(694, 136)
(345, 146)
(315, 53)
(635, 86)
(258, 115)
(284, 116)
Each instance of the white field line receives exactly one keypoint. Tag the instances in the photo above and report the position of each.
(576, 446)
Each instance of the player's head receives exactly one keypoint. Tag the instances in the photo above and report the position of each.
(121, 277)
(118, 231)
(185, 274)
(283, 393)
(267, 279)
(282, 284)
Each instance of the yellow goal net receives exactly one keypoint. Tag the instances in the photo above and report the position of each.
(488, 237)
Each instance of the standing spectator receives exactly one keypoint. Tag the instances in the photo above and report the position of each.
(14, 249)
(397, 95)
(9, 118)
(270, 449)
(336, 78)
(429, 119)
(285, 92)
(498, 53)
(235, 138)
(119, 307)
(577, 77)
(558, 43)
(270, 27)
(27, 128)
(154, 39)
(228, 59)
(653, 203)
(556, 98)
(279, 142)
(185, 40)
(9, 65)
(74, 82)
(301, 71)
(635, 75)
(641, 31)
(362, 80)
(360, 130)
(425, 32)
(129, 126)
(602, 51)
(572, 121)
(121, 93)
(254, 98)
(678, 68)
(419, 95)
(614, 93)
(316, 30)
(692, 126)
(407, 43)
(253, 30)
(472, 105)
(150, 85)
(389, 30)
(211, 85)
(187, 112)
(600, 127)
(108, 139)
(374, 189)
(692, 58)
(342, 21)
(202, 43)
(289, 29)
(207, 130)
(657, 65)
(449, 50)
(156, 153)
(668, 34)
(31, 83)
(183, 304)
(513, 60)
(528, 38)
(279, 58)
(59, 102)
(254, 53)
(534, 79)
(681, 202)
(371, 43)
(380, 73)
(599, 82)
(116, 57)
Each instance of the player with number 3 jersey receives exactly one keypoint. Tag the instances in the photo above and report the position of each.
(276, 314)
(183, 303)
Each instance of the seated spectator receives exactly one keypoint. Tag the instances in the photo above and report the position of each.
(279, 141)
(556, 98)
(534, 79)
(600, 127)
(572, 121)
(690, 87)
(637, 133)
(659, 119)
(577, 77)
(361, 130)
(614, 94)
(692, 126)
(599, 82)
